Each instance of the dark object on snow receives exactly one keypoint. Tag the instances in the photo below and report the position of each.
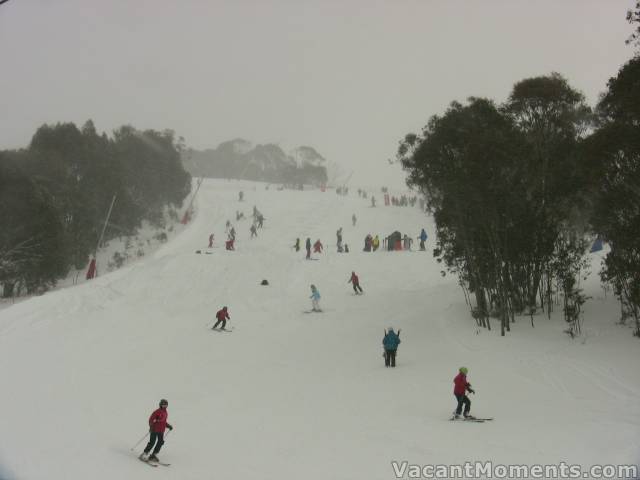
(393, 239)
(264, 282)
(198, 251)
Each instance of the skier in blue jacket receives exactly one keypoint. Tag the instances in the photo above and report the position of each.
(390, 343)
(315, 299)
(422, 238)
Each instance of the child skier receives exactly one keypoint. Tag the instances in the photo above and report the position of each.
(317, 247)
(460, 389)
(157, 425)
(222, 316)
(297, 245)
(356, 283)
(315, 299)
(390, 343)
(211, 241)
(308, 247)
(254, 232)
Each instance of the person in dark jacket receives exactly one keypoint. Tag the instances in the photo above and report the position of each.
(356, 283)
(157, 425)
(222, 316)
(460, 389)
(297, 245)
(308, 247)
(390, 343)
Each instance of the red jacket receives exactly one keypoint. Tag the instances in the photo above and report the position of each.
(354, 279)
(222, 315)
(461, 384)
(158, 420)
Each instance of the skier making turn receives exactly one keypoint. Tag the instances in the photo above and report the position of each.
(356, 283)
(157, 425)
(222, 316)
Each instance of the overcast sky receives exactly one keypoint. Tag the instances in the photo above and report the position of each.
(349, 78)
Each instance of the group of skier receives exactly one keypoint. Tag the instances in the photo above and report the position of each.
(158, 419)
(258, 222)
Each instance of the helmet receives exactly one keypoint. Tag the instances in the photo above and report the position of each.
(224, 308)
(464, 370)
(164, 403)
(390, 329)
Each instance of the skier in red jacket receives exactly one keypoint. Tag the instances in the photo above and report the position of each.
(460, 389)
(356, 283)
(222, 316)
(317, 247)
(157, 425)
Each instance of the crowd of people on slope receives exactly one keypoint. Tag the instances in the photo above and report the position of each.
(230, 230)
(390, 342)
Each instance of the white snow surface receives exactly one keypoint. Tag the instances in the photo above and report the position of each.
(289, 395)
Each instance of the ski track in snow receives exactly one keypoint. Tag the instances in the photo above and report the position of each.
(295, 396)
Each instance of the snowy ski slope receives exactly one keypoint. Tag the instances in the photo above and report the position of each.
(289, 395)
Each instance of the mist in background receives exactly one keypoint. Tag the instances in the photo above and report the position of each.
(348, 78)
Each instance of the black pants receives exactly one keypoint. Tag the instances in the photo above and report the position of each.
(356, 287)
(159, 436)
(422, 245)
(463, 400)
(390, 358)
(224, 323)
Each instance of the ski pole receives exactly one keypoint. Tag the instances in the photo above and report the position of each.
(140, 441)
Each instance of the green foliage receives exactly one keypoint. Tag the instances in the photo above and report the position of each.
(633, 16)
(503, 184)
(614, 154)
(59, 191)
(32, 248)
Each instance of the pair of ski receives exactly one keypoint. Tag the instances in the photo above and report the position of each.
(471, 418)
(226, 330)
(153, 463)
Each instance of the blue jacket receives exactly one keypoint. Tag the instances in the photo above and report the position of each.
(423, 235)
(391, 340)
(315, 295)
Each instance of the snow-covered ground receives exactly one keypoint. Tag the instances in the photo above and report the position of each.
(289, 395)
